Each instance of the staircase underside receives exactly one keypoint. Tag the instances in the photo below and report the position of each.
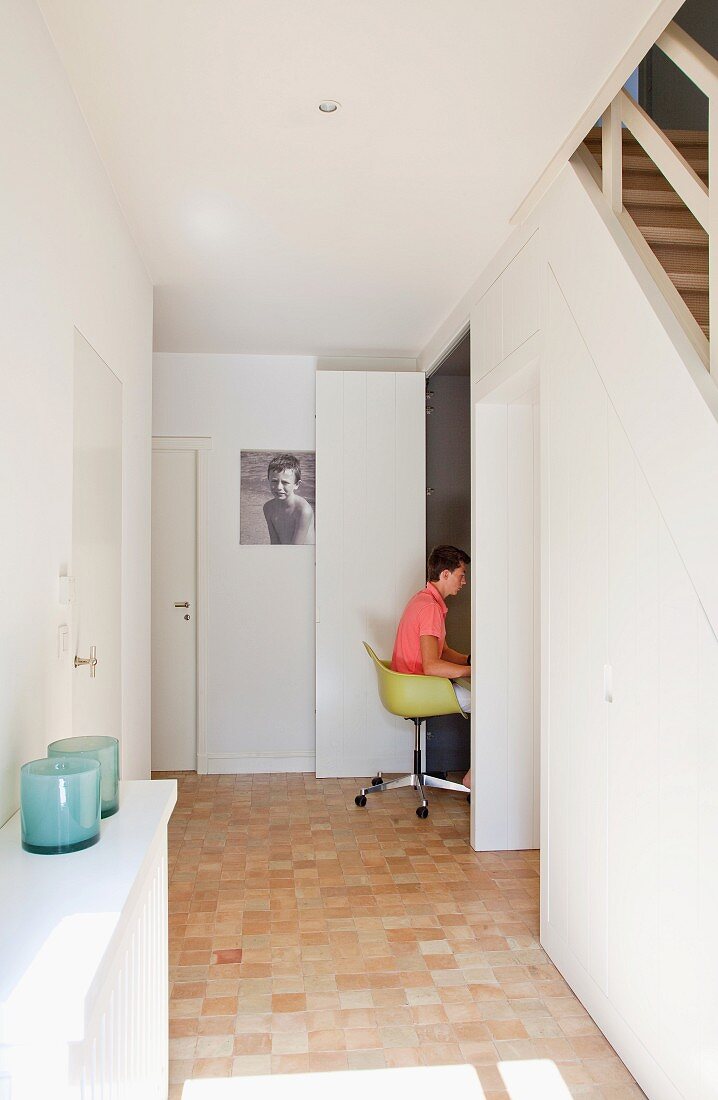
(679, 241)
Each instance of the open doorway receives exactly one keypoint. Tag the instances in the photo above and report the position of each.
(448, 520)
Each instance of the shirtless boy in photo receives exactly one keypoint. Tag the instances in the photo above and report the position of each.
(290, 518)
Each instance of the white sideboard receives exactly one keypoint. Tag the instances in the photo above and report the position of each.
(83, 959)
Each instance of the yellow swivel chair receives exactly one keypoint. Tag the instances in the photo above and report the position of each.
(415, 698)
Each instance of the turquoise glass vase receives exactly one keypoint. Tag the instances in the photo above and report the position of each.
(106, 750)
(59, 804)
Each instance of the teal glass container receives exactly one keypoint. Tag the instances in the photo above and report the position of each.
(59, 804)
(106, 750)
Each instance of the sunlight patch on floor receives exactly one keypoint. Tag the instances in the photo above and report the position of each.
(535, 1079)
(458, 1082)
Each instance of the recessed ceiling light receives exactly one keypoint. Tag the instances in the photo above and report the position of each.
(328, 106)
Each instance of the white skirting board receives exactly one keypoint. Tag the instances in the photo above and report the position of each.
(84, 959)
(625, 1042)
(255, 763)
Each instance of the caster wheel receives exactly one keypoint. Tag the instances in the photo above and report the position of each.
(360, 800)
(422, 811)
(376, 781)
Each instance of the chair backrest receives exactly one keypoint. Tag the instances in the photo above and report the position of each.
(413, 696)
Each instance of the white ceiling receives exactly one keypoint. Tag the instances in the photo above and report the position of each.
(269, 227)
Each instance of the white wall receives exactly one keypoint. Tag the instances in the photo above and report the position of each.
(260, 619)
(67, 259)
(629, 589)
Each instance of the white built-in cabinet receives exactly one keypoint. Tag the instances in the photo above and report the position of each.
(630, 741)
(575, 548)
(628, 656)
(371, 536)
(505, 645)
(505, 574)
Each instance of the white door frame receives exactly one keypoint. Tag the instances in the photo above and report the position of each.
(200, 445)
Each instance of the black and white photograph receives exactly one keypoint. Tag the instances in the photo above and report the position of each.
(277, 498)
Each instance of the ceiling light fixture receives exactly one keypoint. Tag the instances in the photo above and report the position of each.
(328, 106)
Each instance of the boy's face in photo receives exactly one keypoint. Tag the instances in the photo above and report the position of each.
(282, 484)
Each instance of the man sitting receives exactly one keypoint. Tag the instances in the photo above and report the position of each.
(420, 647)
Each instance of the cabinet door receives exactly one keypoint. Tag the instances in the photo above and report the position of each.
(576, 546)
(371, 500)
(659, 781)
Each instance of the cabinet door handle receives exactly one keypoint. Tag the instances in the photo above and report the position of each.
(91, 661)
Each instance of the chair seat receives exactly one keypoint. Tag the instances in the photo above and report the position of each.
(411, 696)
(417, 698)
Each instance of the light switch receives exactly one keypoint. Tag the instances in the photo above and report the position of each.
(63, 641)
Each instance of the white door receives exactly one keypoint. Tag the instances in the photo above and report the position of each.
(174, 610)
(506, 717)
(96, 542)
(371, 534)
(577, 682)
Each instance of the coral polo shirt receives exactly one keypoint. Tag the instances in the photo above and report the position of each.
(425, 614)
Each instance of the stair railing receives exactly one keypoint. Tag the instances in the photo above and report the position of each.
(700, 67)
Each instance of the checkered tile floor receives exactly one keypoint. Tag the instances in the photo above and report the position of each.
(307, 934)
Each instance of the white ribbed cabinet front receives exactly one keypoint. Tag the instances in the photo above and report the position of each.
(84, 959)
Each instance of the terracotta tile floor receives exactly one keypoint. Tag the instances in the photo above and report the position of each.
(308, 934)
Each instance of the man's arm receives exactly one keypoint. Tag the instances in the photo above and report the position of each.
(448, 654)
(434, 665)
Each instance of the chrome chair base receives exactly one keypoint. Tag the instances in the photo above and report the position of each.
(417, 779)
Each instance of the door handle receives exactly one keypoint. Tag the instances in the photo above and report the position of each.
(91, 661)
(185, 604)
